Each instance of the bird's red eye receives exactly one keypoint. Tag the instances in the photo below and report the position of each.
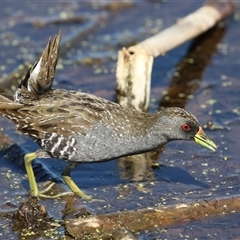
(186, 127)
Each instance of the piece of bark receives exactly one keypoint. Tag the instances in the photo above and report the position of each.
(135, 63)
(107, 225)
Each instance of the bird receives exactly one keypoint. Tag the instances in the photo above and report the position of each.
(80, 127)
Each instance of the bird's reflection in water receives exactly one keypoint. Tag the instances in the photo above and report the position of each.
(140, 167)
(146, 168)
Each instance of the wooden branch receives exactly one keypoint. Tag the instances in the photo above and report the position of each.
(133, 78)
(108, 225)
(185, 29)
(135, 63)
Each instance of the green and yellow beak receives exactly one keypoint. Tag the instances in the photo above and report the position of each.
(202, 139)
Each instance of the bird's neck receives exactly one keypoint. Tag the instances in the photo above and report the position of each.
(157, 132)
(149, 131)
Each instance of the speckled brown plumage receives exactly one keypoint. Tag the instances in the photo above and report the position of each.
(80, 127)
(61, 114)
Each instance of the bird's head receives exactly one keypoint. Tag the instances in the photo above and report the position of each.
(178, 124)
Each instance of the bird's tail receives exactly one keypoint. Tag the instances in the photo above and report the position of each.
(40, 76)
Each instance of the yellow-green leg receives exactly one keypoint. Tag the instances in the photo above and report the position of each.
(31, 177)
(66, 176)
(72, 185)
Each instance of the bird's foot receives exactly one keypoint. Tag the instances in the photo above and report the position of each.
(44, 193)
(59, 195)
